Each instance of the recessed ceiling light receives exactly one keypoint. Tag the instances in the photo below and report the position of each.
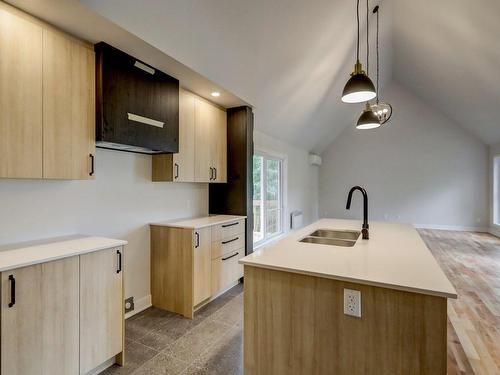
(215, 93)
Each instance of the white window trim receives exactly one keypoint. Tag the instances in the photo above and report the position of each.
(496, 190)
(284, 192)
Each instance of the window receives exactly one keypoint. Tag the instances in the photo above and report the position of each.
(267, 197)
(496, 190)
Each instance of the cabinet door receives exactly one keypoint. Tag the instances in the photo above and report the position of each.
(101, 308)
(40, 330)
(183, 161)
(20, 97)
(219, 145)
(204, 125)
(202, 265)
(68, 107)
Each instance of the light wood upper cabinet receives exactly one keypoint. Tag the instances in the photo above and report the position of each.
(47, 105)
(204, 127)
(179, 167)
(68, 107)
(210, 143)
(201, 264)
(219, 146)
(20, 96)
(39, 319)
(101, 307)
(183, 161)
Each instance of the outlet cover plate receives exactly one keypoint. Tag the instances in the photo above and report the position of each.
(129, 304)
(352, 302)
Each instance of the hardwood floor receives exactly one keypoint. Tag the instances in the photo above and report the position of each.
(158, 342)
(472, 263)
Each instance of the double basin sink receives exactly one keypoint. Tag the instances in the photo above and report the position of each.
(345, 238)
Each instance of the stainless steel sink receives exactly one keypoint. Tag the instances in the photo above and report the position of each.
(338, 234)
(329, 241)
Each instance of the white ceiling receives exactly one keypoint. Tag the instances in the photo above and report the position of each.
(448, 53)
(289, 59)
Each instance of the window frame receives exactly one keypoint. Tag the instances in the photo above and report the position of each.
(269, 155)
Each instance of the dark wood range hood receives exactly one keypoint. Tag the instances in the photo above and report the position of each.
(137, 106)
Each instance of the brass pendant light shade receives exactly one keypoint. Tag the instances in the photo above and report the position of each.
(359, 88)
(368, 119)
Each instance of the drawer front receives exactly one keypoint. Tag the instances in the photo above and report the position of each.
(229, 229)
(228, 245)
(226, 270)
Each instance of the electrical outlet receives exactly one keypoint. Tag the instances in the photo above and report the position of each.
(352, 302)
(129, 304)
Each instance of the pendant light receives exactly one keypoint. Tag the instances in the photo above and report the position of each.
(381, 109)
(359, 88)
(368, 119)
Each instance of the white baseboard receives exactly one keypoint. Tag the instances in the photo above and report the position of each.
(495, 231)
(453, 227)
(140, 305)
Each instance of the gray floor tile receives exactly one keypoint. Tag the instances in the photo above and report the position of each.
(226, 356)
(136, 355)
(162, 364)
(198, 340)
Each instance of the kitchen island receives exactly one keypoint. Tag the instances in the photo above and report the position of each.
(294, 320)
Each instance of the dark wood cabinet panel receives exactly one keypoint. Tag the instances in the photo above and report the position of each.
(127, 87)
(235, 197)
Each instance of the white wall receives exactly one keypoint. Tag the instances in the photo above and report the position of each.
(420, 168)
(119, 203)
(494, 152)
(301, 178)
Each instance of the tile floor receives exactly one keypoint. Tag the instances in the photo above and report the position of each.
(158, 342)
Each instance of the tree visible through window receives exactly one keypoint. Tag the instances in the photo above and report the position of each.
(267, 197)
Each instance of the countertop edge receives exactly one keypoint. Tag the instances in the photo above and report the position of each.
(175, 224)
(403, 288)
(58, 254)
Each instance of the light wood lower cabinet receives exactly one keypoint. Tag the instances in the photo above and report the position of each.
(101, 307)
(188, 267)
(62, 317)
(39, 319)
(201, 265)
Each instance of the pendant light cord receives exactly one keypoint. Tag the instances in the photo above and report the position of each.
(367, 41)
(357, 45)
(376, 11)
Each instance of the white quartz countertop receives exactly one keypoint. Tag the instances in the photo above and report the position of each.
(394, 257)
(29, 253)
(199, 222)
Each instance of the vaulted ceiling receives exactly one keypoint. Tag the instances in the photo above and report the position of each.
(291, 58)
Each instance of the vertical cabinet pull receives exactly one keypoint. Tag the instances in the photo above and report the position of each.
(176, 171)
(119, 261)
(215, 174)
(211, 173)
(197, 244)
(91, 173)
(12, 290)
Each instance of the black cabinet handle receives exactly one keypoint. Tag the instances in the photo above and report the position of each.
(211, 173)
(12, 291)
(176, 171)
(229, 241)
(230, 225)
(197, 245)
(215, 176)
(119, 261)
(91, 173)
(231, 256)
